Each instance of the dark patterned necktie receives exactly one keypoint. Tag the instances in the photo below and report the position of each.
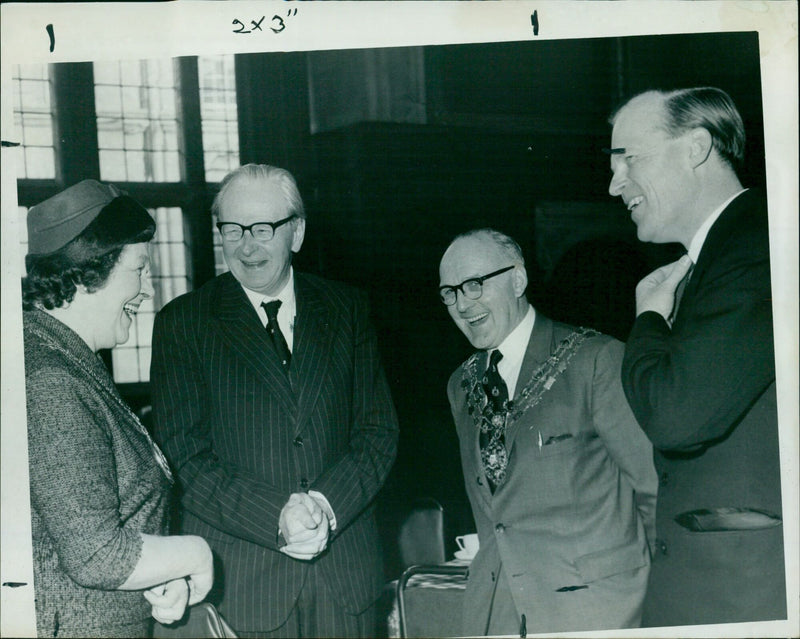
(274, 331)
(492, 442)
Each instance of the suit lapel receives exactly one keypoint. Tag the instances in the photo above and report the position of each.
(540, 347)
(240, 327)
(311, 356)
(726, 223)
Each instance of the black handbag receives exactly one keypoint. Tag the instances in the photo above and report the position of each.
(201, 621)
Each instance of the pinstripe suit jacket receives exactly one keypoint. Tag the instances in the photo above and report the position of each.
(242, 436)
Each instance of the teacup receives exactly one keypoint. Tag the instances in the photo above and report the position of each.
(468, 544)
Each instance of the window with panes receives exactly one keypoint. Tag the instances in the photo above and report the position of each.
(164, 131)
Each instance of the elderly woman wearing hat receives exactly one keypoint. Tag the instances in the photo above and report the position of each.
(99, 484)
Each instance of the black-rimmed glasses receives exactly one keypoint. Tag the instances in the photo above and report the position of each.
(471, 288)
(262, 231)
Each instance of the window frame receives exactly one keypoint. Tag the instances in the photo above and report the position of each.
(77, 158)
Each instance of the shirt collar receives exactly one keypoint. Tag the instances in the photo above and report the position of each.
(286, 296)
(513, 348)
(517, 340)
(283, 294)
(700, 237)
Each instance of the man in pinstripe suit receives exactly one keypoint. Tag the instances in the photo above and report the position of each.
(280, 441)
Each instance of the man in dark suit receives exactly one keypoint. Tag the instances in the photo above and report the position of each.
(699, 368)
(278, 420)
(558, 473)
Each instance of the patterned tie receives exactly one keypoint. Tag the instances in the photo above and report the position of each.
(274, 331)
(492, 442)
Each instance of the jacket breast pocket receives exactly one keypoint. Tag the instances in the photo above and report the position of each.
(563, 444)
(611, 561)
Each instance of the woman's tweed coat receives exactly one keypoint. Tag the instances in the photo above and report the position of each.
(95, 486)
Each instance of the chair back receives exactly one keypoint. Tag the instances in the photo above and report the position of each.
(421, 535)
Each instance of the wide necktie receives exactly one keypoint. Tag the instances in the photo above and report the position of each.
(679, 290)
(492, 437)
(274, 331)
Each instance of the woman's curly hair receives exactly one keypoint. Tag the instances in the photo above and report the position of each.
(52, 279)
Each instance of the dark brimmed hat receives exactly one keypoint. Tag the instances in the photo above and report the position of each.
(63, 217)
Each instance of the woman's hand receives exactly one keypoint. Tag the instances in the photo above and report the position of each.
(169, 600)
(201, 578)
(165, 559)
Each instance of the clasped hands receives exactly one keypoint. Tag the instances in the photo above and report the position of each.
(656, 291)
(305, 526)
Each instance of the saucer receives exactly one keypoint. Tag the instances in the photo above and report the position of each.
(463, 554)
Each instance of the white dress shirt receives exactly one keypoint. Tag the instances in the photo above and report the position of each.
(513, 348)
(286, 312)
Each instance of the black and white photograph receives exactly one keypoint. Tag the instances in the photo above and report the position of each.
(399, 319)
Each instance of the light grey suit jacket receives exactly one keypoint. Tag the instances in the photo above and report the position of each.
(572, 522)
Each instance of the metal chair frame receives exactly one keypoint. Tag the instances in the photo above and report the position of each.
(422, 569)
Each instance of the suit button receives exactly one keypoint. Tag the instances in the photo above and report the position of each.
(304, 483)
(499, 528)
(661, 546)
(298, 441)
(663, 480)
(479, 480)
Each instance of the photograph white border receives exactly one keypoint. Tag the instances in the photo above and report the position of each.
(148, 30)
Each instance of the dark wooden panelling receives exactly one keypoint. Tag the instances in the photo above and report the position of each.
(273, 105)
